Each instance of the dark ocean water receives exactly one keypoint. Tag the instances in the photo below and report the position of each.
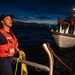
(30, 41)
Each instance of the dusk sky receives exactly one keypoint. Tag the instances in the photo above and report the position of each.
(40, 11)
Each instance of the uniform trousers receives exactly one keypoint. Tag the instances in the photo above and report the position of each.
(6, 66)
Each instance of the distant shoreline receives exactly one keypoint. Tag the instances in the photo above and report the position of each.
(33, 24)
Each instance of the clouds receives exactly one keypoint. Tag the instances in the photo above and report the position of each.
(37, 9)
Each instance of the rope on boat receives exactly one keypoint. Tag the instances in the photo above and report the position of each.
(59, 58)
(23, 66)
(16, 66)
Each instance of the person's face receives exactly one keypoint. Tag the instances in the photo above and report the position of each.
(7, 21)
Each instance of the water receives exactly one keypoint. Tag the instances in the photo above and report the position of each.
(30, 41)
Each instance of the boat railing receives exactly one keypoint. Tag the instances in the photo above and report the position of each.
(51, 58)
(41, 66)
(50, 54)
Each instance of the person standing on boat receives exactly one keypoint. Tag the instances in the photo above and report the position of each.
(8, 45)
(72, 24)
(60, 22)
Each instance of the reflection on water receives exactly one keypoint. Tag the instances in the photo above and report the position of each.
(31, 39)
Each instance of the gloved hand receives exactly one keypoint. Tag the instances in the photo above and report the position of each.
(21, 52)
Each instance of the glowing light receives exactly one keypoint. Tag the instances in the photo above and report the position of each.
(74, 9)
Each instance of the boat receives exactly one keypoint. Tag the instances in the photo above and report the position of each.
(64, 40)
(62, 36)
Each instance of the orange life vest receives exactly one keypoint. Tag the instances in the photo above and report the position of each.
(60, 21)
(9, 49)
(72, 23)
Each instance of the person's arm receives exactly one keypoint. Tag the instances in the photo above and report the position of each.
(3, 40)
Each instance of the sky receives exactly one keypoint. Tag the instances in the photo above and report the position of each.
(38, 11)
